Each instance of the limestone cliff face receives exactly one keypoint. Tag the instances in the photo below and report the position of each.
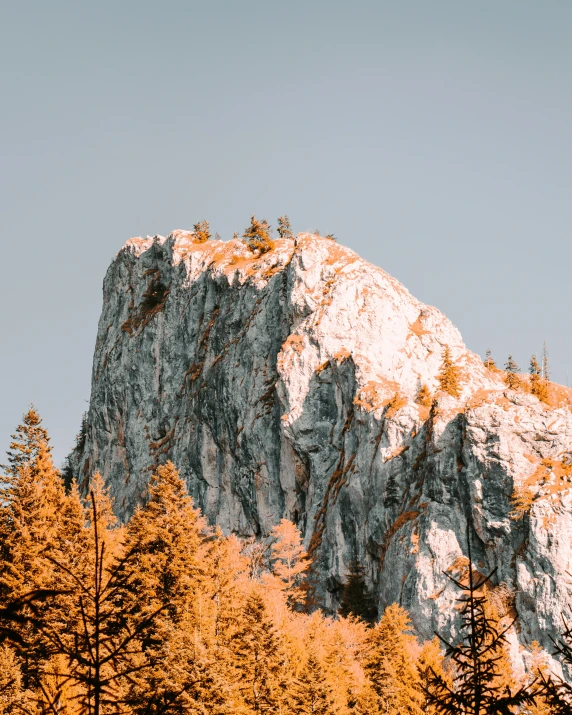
(285, 386)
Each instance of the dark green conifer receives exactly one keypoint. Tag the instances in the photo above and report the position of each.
(477, 657)
(356, 598)
(391, 497)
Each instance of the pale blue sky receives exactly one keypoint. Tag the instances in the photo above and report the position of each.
(432, 137)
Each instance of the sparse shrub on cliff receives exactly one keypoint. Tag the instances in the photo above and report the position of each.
(257, 236)
(423, 397)
(538, 384)
(488, 361)
(331, 236)
(449, 377)
(512, 380)
(284, 229)
(201, 231)
(522, 499)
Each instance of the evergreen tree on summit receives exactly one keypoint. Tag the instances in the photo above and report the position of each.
(284, 229)
(257, 236)
(511, 379)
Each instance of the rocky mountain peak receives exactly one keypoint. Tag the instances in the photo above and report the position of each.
(287, 385)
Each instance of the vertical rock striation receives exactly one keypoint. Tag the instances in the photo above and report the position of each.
(285, 386)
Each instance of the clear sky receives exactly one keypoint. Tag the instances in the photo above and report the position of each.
(434, 138)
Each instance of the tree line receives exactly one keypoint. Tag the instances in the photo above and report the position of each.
(257, 236)
(166, 614)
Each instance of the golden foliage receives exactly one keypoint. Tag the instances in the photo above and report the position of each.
(449, 375)
(204, 623)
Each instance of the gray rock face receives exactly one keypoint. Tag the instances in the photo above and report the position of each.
(284, 386)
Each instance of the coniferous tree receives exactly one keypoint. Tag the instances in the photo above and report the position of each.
(475, 690)
(538, 385)
(391, 496)
(257, 236)
(391, 664)
(558, 692)
(312, 693)
(166, 539)
(511, 379)
(284, 229)
(423, 397)
(489, 362)
(25, 443)
(356, 598)
(103, 653)
(13, 696)
(202, 231)
(449, 377)
(257, 658)
(289, 560)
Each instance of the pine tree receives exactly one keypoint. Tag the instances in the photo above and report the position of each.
(289, 560)
(557, 692)
(104, 652)
(489, 362)
(284, 228)
(449, 376)
(511, 379)
(26, 443)
(13, 697)
(477, 660)
(257, 658)
(166, 537)
(391, 664)
(538, 385)
(312, 694)
(423, 397)
(391, 496)
(431, 663)
(201, 231)
(356, 598)
(257, 236)
(32, 522)
(534, 366)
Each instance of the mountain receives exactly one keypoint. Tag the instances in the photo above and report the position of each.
(285, 385)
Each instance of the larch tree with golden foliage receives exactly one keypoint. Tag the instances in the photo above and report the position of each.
(289, 560)
(449, 375)
(202, 231)
(391, 664)
(257, 664)
(166, 537)
(538, 384)
(511, 378)
(312, 692)
(284, 228)
(257, 236)
(423, 396)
